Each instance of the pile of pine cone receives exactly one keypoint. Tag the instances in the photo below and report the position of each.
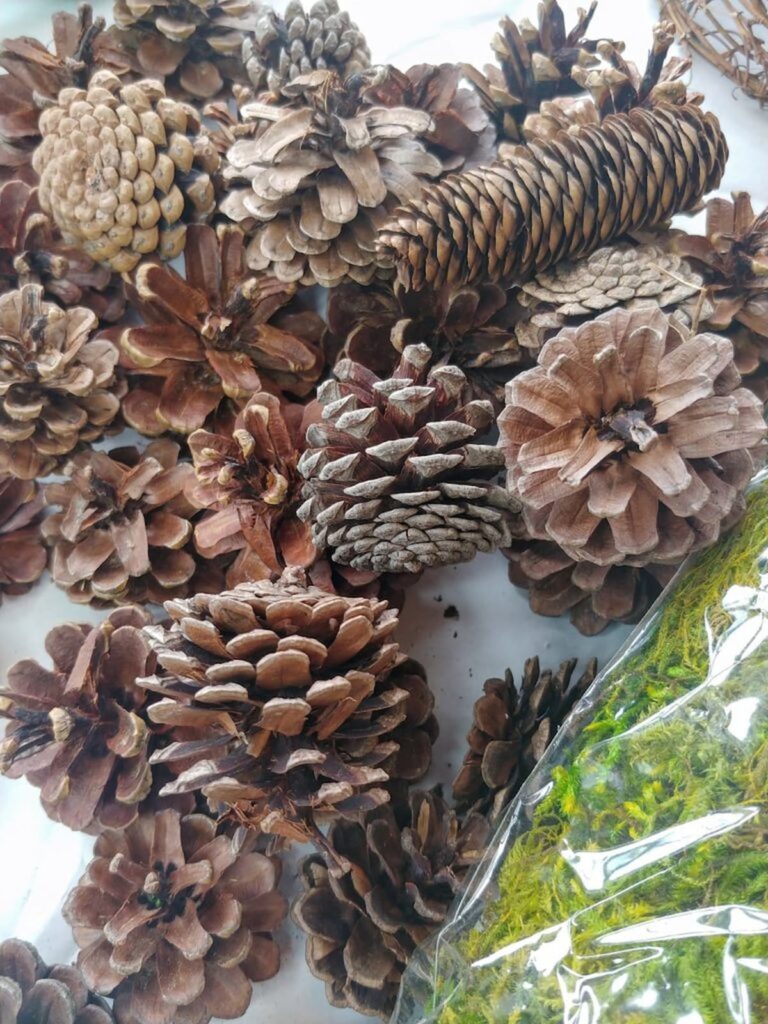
(519, 355)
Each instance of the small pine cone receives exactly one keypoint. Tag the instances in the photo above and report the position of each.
(511, 729)
(301, 702)
(175, 920)
(58, 387)
(632, 441)
(124, 530)
(78, 731)
(22, 552)
(556, 198)
(33, 993)
(401, 869)
(280, 49)
(398, 479)
(220, 334)
(122, 168)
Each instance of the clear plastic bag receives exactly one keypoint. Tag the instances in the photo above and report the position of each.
(628, 883)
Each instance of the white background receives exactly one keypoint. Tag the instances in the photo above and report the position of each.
(39, 861)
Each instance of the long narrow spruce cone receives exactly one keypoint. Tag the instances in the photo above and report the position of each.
(556, 199)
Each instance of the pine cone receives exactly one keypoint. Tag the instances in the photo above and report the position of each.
(121, 169)
(58, 386)
(78, 731)
(397, 477)
(22, 553)
(221, 333)
(403, 869)
(124, 532)
(33, 993)
(557, 198)
(280, 49)
(322, 177)
(511, 729)
(632, 441)
(301, 701)
(175, 920)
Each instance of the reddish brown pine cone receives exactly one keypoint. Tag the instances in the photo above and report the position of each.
(175, 920)
(22, 552)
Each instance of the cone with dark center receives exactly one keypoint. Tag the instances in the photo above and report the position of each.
(22, 552)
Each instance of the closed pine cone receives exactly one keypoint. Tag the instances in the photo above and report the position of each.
(58, 387)
(78, 731)
(22, 552)
(122, 167)
(175, 920)
(398, 479)
(632, 441)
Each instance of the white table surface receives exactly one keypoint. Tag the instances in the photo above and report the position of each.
(39, 861)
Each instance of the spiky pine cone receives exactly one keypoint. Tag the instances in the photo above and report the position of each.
(322, 176)
(512, 220)
(403, 867)
(122, 168)
(280, 49)
(123, 529)
(58, 386)
(221, 333)
(175, 920)
(398, 479)
(32, 992)
(632, 442)
(22, 553)
(301, 702)
(511, 729)
(78, 731)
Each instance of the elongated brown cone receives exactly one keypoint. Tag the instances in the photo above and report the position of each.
(632, 442)
(302, 702)
(32, 992)
(22, 552)
(556, 199)
(511, 728)
(401, 869)
(175, 920)
(78, 731)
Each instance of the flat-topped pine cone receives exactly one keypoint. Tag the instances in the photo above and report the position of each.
(175, 920)
(302, 702)
(33, 993)
(122, 168)
(511, 728)
(556, 198)
(404, 865)
(281, 48)
(322, 177)
(22, 552)
(58, 386)
(398, 479)
(78, 731)
(632, 441)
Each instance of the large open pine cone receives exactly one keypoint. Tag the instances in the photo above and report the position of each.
(122, 167)
(175, 920)
(632, 441)
(300, 699)
(77, 730)
(398, 478)
(57, 383)
(22, 553)
(33, 993)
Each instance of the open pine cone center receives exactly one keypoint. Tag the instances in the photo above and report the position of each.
(631, 424)
(157, 894)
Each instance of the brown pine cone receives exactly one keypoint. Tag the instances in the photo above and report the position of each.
(124, 530)
(511, 729)
(398, 479)
(175, 920)
(322, 177)
(632, 441)
(401, 870)
(78, 731)
(122, 167)
(301, 701)
(219, 333)
(58, 386)
(280, 49)
(556, 198)
(22, 552)
(33, 993)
